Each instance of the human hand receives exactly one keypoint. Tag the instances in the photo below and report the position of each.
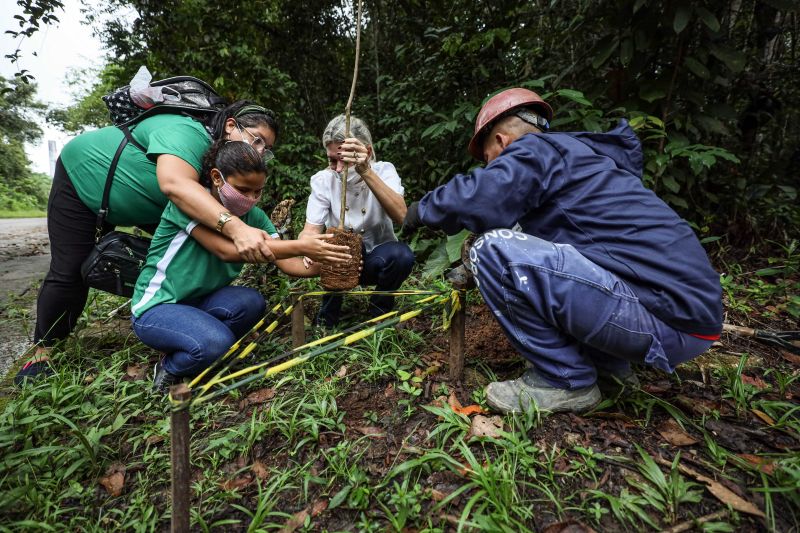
(251, 243)
(353, 152)
(307, 262)
(317, 248)
(411, 222)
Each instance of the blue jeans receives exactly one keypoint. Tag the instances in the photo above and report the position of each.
(196, 332)
(568, 316)
(387, 266)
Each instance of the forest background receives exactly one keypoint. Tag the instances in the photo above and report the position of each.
(711, 87)
(712, 90)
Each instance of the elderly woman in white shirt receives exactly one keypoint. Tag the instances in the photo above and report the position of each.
(374, 204)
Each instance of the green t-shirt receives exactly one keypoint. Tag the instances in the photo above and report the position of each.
(135, 196)
(178, 267)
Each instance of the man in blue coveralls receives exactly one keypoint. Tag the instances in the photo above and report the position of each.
(597, 273)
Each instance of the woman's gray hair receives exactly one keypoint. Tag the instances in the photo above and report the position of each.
(334, 132)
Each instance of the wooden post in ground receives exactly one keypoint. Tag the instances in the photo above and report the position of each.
(181, 467)
(298, 319)
(457, 327)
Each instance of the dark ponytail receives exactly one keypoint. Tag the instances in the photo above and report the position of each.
(231, 157)
(247, 114)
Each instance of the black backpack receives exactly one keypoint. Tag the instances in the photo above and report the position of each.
(182, 95)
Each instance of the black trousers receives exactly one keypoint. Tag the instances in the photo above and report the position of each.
(71, 228)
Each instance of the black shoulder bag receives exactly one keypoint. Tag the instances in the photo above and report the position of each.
(117, 257)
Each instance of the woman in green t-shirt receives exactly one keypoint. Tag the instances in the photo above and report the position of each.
(183, 303)
(168, 169)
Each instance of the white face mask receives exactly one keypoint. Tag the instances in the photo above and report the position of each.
(353, 177)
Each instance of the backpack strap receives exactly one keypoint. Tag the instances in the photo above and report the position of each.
(101, 215)
(128, 135)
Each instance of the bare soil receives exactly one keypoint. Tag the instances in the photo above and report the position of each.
(24, 259)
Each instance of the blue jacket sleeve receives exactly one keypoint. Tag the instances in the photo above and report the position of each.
(522, 178)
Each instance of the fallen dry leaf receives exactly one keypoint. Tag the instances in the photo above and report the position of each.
(755, 382)
(154, 439)
(319, 506)
(342, 372)
(237, 483)
(437, 495)
(370, 431)
(764, 464)
(792, 358)
(470, 410)
(114, 480)
(483, 426)
(433, 358)
(721, 492)
(674, 434)
(298, 519)
(455, 405)
(137, 371)
(260, 470)
(659, 387)
(698, 406)
(763, 416)
(260, 396)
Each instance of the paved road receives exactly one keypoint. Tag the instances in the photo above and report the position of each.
(24, 258)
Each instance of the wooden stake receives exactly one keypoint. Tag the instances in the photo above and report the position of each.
(457, 330)
(181, 467)
(298, 319)
(347, 116)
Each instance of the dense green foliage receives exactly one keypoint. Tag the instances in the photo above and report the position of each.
(20, 189)
(712, 85)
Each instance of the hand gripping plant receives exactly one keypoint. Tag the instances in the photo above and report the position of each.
(345, 276)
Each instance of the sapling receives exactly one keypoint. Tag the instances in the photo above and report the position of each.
(346, 276)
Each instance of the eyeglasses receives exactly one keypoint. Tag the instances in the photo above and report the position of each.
(258, 143)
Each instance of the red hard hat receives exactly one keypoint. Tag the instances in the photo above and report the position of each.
(500, 103)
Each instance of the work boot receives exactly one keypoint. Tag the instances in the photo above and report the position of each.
(516, 395)
(163, 379)
(612, 385)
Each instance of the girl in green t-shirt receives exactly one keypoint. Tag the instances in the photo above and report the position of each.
(183, 303)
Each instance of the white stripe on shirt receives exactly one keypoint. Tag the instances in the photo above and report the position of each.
(161, 268)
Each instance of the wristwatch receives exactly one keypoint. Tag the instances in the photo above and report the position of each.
(224, 217)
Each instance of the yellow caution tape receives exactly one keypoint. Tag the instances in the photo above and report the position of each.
(452, 301)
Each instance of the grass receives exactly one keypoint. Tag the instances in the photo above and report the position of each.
(24, 213)
(367, 449)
